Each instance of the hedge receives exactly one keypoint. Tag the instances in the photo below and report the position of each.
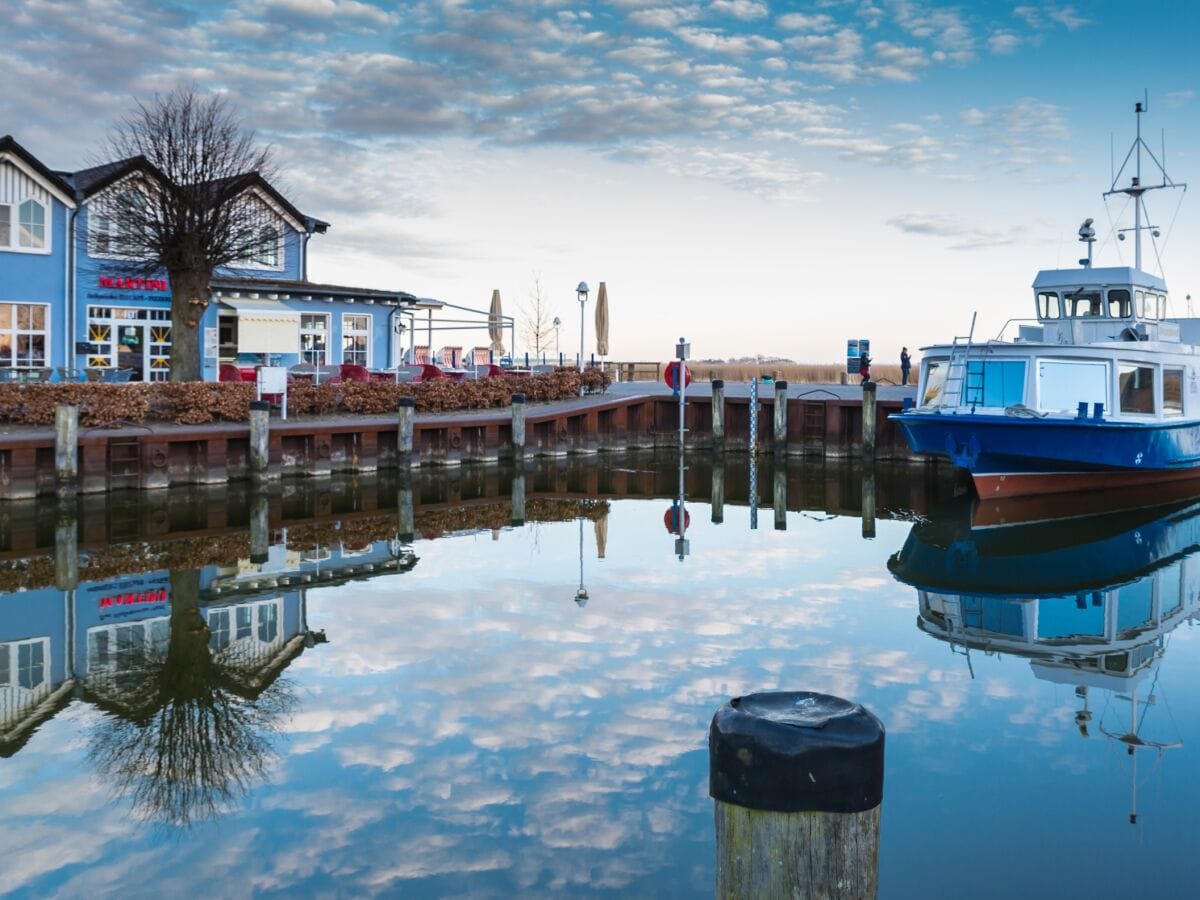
(198, 402)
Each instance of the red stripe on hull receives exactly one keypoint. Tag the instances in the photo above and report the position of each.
(1021, 484)
(994, 512)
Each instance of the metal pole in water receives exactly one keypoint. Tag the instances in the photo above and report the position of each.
(753, 443)
(797, 781)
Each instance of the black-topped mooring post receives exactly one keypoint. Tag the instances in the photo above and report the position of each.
(868, 420)
(518, 432)
(797, 782)
(405, 414)
(781, 424)
(66, 450)
(260, 434)
(718, 416)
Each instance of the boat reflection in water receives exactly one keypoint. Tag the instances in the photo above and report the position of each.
(1089, 600)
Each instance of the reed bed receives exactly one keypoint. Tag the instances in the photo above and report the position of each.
(793, 373)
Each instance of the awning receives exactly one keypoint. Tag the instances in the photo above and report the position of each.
(264, 326)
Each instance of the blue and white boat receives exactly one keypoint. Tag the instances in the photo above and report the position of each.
(1102, 391)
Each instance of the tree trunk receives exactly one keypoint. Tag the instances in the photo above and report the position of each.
(189, 297)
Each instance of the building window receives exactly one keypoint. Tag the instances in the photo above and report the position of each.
(5, 225)
(23, 664)
(268, 623)
(268, 247)
(356, 339)
(23, 337)
(314, 339)
(32, 222)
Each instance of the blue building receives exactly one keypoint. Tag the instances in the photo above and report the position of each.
(71, 297)
(36, 206)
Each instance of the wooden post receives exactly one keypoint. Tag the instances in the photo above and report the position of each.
(66, 450)
(779, 494)
(66, 547)
(717, 500)
(260, 433)
(260, 527)
(781, 423)
(797, 781)
(518, 435)
(404, 432)
(718, 416)
(868, 420)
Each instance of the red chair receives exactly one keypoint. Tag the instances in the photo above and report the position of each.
(430, 372)
(352, 372)
(229, 372)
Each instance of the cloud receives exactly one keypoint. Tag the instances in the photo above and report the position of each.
(1022, 135)
(1049, 15)
(1003, 42)
(1179, 98)
(963, 235)
(746, 10)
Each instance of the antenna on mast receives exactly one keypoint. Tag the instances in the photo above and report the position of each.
(1135, 189)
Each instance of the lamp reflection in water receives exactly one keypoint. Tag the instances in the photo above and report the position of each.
(581, 595)
(1090, 602)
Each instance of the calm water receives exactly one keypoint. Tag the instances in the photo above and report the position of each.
(361, 715)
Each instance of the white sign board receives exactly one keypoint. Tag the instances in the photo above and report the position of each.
(211, 343)
(273, 380)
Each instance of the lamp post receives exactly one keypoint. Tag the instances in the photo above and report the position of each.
(557, 323)
(581, 595)
(581, 292)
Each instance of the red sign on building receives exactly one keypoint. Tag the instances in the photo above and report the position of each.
(133, 284)
(158, 595)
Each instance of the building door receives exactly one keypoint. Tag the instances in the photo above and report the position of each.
(137, 340)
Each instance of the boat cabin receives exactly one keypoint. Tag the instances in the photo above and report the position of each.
(1087, 305)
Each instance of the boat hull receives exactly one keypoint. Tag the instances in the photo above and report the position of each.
(1012, 457)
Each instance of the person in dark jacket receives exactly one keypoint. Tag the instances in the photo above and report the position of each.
(905, 365)
(864, 368)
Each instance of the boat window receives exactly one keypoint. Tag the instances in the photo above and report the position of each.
(1047, 305)
(935, 380)
(1172, 392)
(1082, 304)
(1162, 306)
(1064, 384)
(1137, 388)
(1119, 304)
(1147, 305)
(994, 382)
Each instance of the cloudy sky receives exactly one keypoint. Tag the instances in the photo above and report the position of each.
(760, 177)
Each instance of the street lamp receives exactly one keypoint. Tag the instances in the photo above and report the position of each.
(557, 322)
(581, 595)
(581, 292)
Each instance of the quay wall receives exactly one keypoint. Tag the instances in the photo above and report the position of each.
(162, 456)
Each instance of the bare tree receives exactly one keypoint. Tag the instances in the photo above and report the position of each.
(537, 317)
(196, 213)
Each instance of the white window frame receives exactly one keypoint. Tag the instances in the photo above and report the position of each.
(101, 209)
(328, 333)
(265, 216)
(11, 678)
(356, 333)
(154, 643)
(14, 332)
(14, 227)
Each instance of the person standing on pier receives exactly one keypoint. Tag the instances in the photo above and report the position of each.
(864, 368)
(905, 365)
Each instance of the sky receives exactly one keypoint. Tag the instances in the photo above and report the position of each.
(760, 178)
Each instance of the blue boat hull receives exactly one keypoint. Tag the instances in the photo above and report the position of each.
(1009, 456)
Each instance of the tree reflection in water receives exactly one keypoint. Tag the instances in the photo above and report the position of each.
(188, 730)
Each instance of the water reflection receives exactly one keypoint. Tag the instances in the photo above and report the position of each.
(1090, 601)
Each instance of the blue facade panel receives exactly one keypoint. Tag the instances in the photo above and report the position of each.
(41, 278)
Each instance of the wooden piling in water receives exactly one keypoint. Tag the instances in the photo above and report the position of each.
(66, 548)
(404, 431)
(797, 782)
(717, 497)
(868, 420)
(260, 528)
(518, 499)
(518, 430)
(779, 442)
(718, 414)
(260, 436)
(66, 450)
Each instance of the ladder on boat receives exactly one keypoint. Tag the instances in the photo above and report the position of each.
(964, 383)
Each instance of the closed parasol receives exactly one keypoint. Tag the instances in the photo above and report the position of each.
(496, 324)
(602, 322)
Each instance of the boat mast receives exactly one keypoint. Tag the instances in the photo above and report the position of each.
(1135, 189)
